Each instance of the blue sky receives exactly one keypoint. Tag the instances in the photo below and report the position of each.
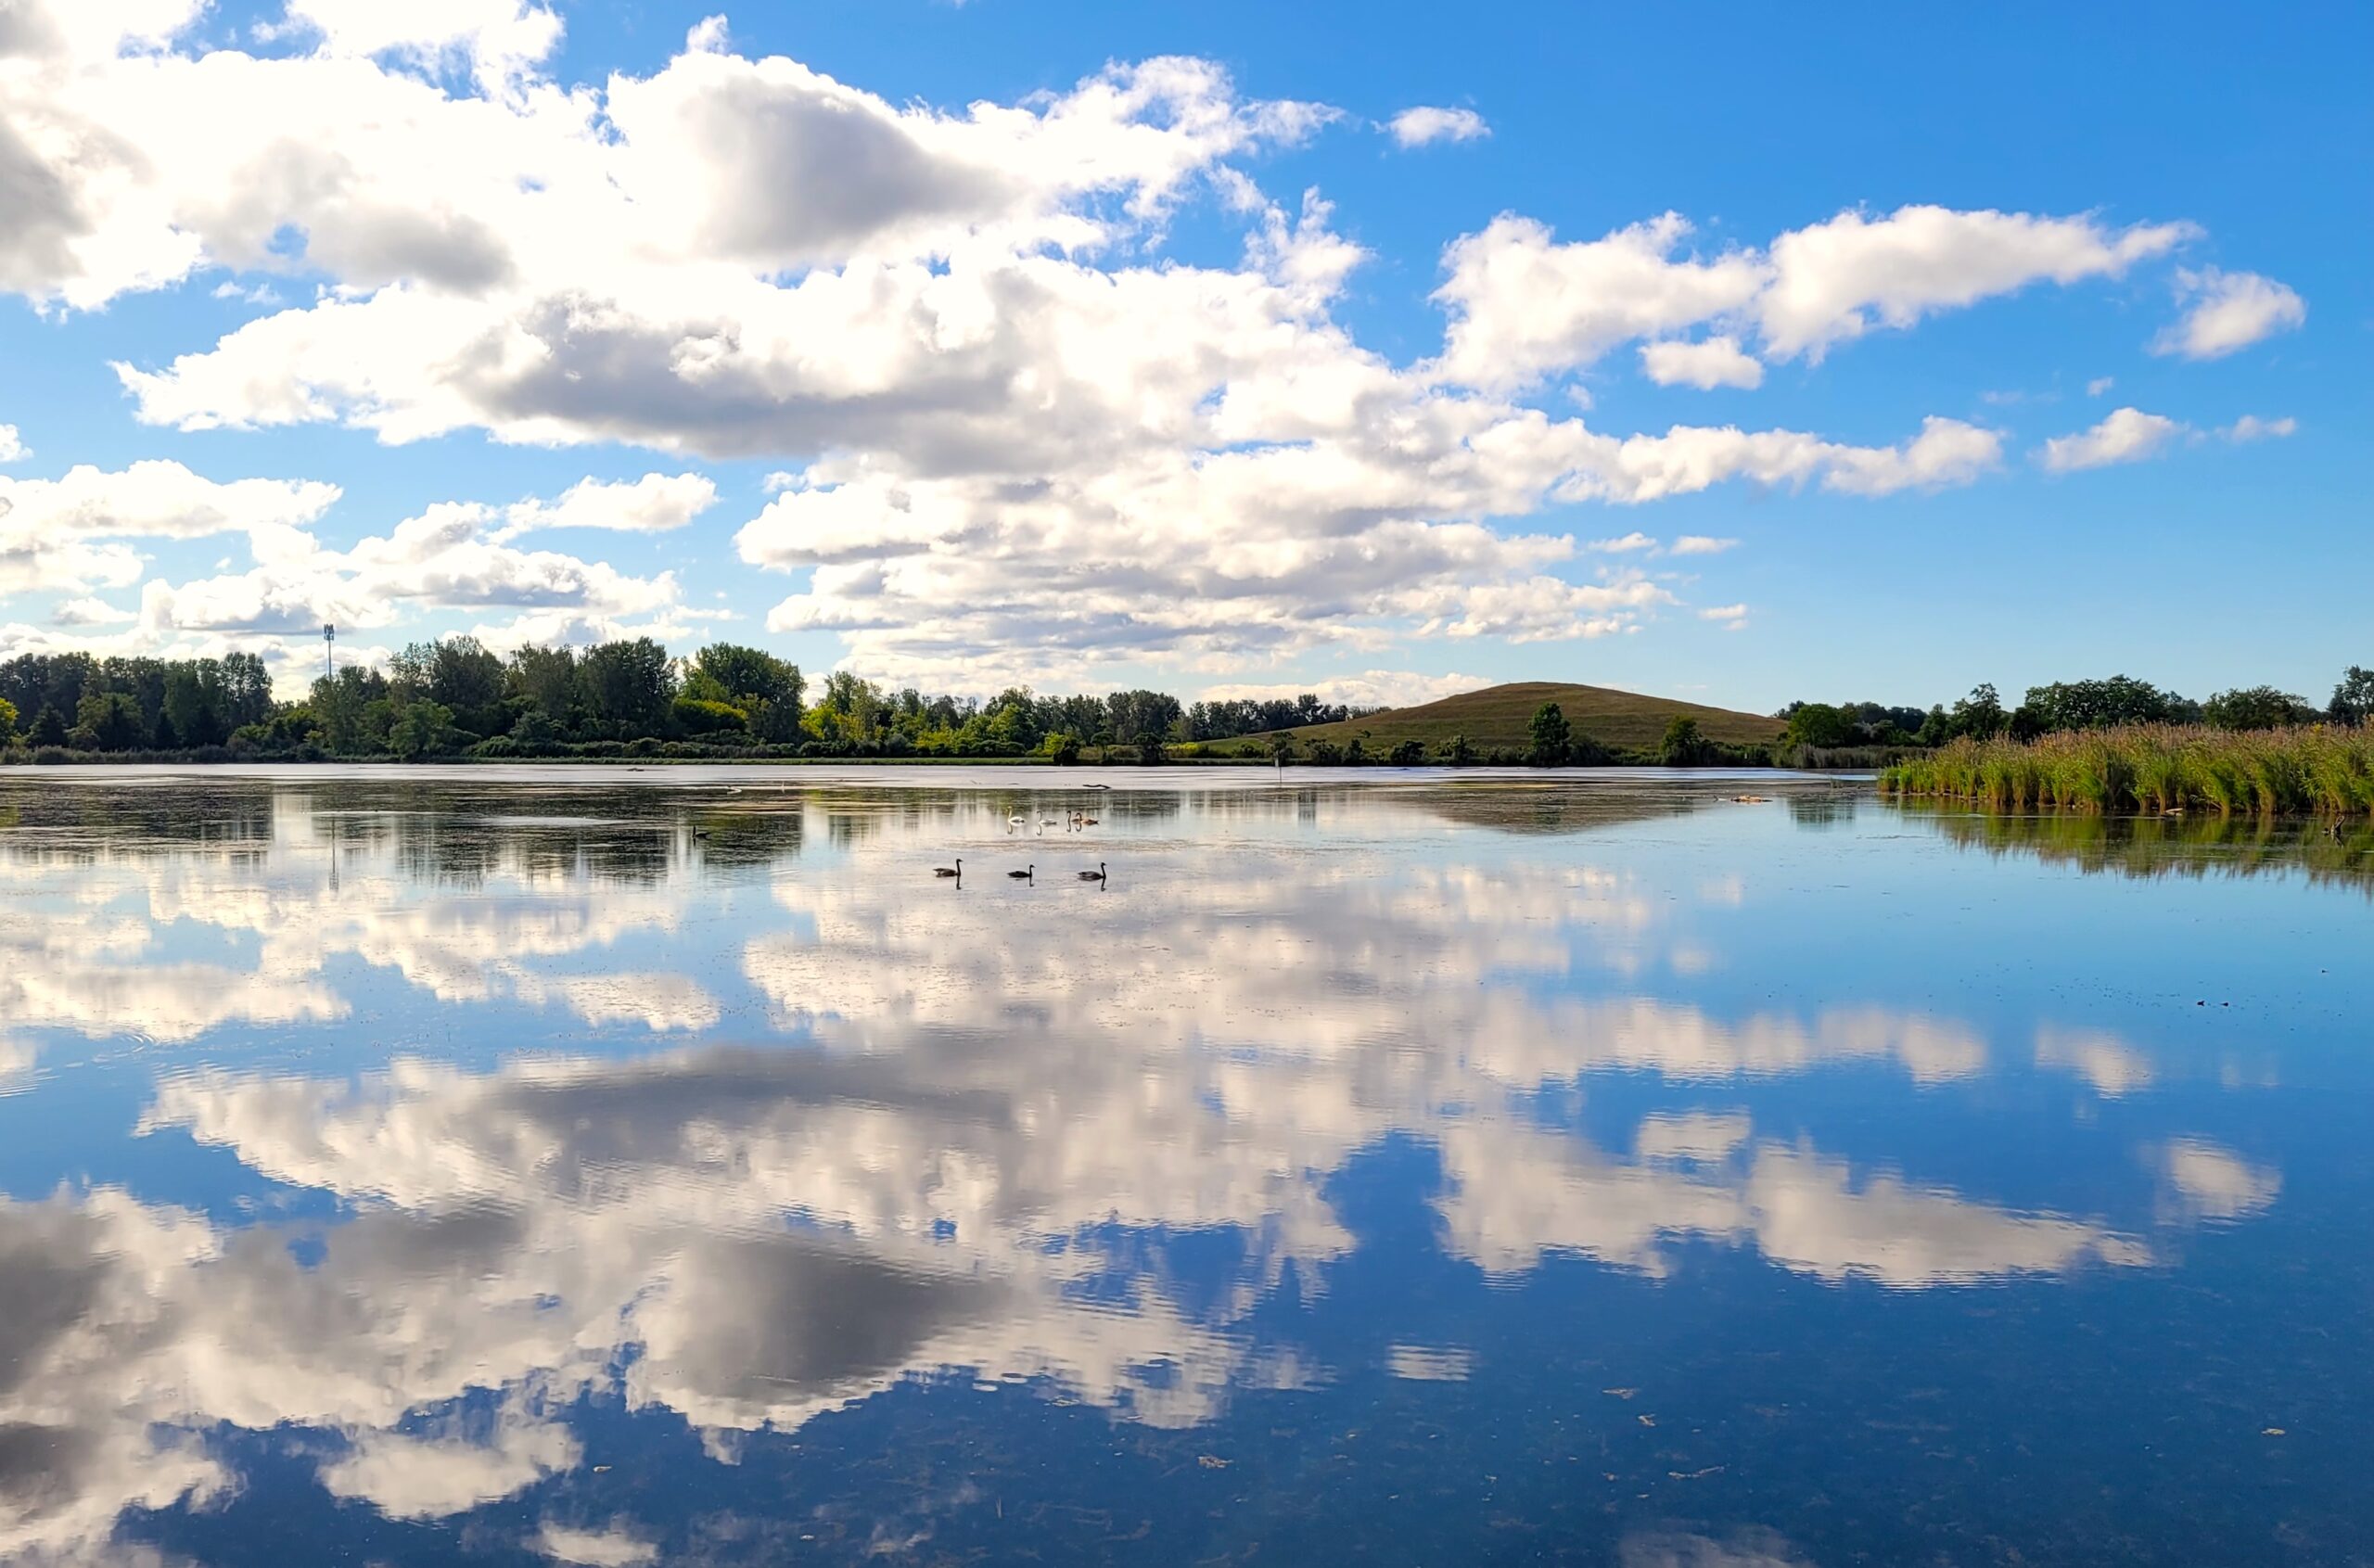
(1172, 364)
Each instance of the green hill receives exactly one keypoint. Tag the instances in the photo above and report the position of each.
(1496, 717)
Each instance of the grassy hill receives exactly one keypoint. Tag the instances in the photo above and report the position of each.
(1497, 717)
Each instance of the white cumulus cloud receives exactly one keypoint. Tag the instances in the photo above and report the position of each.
(1714, 362)
(2127, 435)
(2227, 312)
(1423, 124)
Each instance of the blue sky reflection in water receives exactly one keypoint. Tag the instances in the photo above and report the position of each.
(1473, 1171)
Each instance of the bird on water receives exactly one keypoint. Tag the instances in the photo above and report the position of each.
(1022, 875)
(1096, 875)
(956, 870)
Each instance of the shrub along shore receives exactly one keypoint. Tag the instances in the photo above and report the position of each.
(2323, 768)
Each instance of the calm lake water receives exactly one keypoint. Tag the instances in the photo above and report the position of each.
(668, 1167)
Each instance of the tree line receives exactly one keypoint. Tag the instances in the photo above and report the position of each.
(2067, 705)
(454, 697)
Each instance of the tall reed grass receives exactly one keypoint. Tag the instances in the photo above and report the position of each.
(2309, 769)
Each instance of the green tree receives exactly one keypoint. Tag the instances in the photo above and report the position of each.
(423, 729)
(1553, 737)
(2090, 704)
(1457, 752)
(2353, 698)
(2256, 708)
(49, 727)
(765, 688)
(1281, 747)
(341, 705)
(546, 680)
(1150, 750)
(109, 722)
(190, 708)
(1408, 753)
(697, 715)
(1063, 747)
(1682, 746)
(466, 678)
(630, 685)
(1819, 724)
(1981, 714)
(7, 721)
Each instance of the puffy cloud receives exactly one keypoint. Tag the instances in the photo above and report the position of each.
(1417, 126)
(12, 446)
(66, 533)
(2227, 312)
(2127, 435)
(1702, 544)
(1523, 306)
(2251, 427)
(1835, 280)
(1714, 362)
(1371, 688)
(1018, 441)
(498, 36)
(89, 612)
(1623, 546)
(653, 504)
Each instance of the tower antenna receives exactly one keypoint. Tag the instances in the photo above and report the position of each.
(329, 654)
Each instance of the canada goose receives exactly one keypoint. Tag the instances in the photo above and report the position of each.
(1022, 875)
(1096, 875)
(1087, 822)
(700, 833)
(956, 870)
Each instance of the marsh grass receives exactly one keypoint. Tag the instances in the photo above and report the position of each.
(2319, 769)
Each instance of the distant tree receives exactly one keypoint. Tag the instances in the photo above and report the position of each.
(1682, 746)
(7, 721)
(109, 722)
(1281, 747)
(2257, 708)
(535, 728)
(423, 729)
(1325, 754)
(1408, 753)
(1981, 714)
(1063, 747)
(697, 715)
(1553, 737)
(49, 727)
(1819, 724)
(546, 679)
(767, 689)
(629, 685)
(2090, 704)
(1150, 750)
(2353, 698)
(1141, 712)
(1457, 752)
(1936, 729)
(190, 710)
(464, 677)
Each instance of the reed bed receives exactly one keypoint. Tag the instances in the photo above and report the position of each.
(2310, 769)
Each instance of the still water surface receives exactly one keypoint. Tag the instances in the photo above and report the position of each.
(571, 1168)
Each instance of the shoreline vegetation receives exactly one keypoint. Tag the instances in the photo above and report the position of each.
(453, 700)
(2320, 770)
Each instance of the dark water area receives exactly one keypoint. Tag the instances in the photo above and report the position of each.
(556, 1168)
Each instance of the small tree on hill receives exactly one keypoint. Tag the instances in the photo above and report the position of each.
(1683, 745)
(1553, 737)
(1457, 752)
